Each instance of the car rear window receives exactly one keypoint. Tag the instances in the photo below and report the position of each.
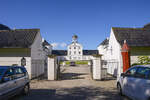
(18, 71)
(143, 72)
(2, 71)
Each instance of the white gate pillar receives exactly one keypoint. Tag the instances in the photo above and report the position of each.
(97, 68)
(52, 70)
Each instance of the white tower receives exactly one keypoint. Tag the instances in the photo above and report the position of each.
(75, 49)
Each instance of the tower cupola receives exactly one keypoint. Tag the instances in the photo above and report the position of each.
(74, 39)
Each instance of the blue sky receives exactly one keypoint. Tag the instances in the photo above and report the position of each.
(58, 20)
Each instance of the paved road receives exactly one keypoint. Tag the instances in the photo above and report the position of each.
(75, 84)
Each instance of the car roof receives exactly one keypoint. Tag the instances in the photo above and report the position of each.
(6, 67)
(142, 66)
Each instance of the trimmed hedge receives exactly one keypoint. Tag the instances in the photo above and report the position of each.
(76, 62)
(140, 64)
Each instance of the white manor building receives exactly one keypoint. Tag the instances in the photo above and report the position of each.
(74, 51)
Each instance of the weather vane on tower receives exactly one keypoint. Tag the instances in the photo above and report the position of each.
(74, 38)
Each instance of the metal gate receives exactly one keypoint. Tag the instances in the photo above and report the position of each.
(91, 68)
(112, 67)
(37, 68)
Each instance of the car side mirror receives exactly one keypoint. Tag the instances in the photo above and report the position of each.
(123, 75)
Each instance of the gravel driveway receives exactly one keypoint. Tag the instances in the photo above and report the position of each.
(75, 84)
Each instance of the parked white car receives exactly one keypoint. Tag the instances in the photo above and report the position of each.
(135, 83)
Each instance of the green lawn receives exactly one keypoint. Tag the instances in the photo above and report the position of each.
(82, 62)
(76, 62)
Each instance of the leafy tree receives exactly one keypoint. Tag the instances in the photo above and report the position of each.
(143, 59)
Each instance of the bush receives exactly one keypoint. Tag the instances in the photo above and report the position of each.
(135, 64)
(143, 59)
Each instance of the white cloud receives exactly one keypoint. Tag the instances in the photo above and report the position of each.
(63, 45)
(57, 45)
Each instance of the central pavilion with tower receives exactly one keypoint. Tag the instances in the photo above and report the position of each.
(74, 51)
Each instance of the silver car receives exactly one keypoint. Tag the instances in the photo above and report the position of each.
(135, 83)
(13, 80)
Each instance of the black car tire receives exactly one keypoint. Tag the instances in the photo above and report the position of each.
(26, 89)
(119, 89)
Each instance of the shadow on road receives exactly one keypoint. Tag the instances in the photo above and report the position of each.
(71, 76)
(77, 93)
